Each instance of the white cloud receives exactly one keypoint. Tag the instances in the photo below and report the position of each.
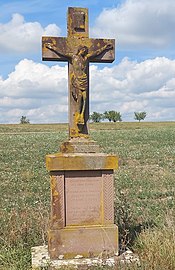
(40, 92)
(35, 90)
(131, 86)
(18, 36)
(138, 23)
(34, 80)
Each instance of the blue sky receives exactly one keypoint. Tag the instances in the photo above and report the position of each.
(142, 78)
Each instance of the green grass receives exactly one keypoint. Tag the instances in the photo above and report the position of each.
(144, 186)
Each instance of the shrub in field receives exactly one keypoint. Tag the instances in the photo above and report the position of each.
(96, 117)
(24, 120)
(139, 116)
(112, 116)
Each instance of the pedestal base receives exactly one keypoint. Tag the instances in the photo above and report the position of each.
(87, 242)
(41, 260)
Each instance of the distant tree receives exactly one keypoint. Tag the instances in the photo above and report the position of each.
(139, 116)
(24, 120)
(112, 116)
(96, 117)
(107, 115)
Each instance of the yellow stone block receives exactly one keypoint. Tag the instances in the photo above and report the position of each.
(81, 161)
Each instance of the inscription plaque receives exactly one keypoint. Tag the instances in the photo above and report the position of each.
(83, 198)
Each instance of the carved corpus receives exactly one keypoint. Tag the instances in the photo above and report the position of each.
(78, 49)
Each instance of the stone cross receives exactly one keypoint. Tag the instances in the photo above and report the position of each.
(78, 49)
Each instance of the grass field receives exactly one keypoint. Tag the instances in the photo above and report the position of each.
(144, 189)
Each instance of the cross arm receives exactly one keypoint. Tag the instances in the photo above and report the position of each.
(102, 50)
(48, 46)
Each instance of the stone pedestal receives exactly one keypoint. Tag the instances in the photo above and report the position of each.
(82, 210)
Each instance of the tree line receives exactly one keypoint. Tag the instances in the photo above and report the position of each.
(114, 116)
(111, 116)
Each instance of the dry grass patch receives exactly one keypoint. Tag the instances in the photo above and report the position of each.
(156, 247)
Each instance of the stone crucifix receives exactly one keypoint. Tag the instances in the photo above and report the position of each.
(78, 49)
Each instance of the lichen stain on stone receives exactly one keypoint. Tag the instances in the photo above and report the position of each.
(66, 147)
(111, 162)
(53, 183)
(55, 193)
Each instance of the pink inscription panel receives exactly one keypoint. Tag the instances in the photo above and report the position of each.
(83, 196)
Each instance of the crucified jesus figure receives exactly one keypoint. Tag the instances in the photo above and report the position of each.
(79, 76)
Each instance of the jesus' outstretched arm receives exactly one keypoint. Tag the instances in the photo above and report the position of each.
(101, 50)
(53, 48)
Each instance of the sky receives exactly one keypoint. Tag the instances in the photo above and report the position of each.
(142, 77)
